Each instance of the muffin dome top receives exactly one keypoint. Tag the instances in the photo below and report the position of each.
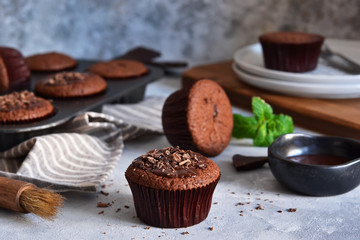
(172, 169)
(171, 162)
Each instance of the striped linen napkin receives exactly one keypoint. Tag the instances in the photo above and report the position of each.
(82, 153)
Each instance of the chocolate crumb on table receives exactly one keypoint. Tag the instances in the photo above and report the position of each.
(147, 228)
(103, 205)
(280, 211)
(104, 193)
(259, 207)
(184, 233)
(102, 212)
(239, 204)
(126, 206)
(211, 228)
(118, 210)
(215, 203)
(292, 209)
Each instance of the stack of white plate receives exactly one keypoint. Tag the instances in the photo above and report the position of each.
(323, 82)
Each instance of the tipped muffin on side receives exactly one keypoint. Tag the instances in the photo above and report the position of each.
(199, 118)
(172, 187)
(291, 51)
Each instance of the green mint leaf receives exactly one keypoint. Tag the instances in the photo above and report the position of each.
(263, 137)
(283, 124)
(261, 109)
(264, 127)
(244, 127)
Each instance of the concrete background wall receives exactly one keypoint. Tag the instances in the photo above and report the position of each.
(196, 31)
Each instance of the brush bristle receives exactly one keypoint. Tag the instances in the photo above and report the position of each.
(41, 202)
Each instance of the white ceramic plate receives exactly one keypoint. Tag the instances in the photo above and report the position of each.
(299, 89)
(250, 59)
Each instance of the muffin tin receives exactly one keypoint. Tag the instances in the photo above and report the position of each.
(118, 91)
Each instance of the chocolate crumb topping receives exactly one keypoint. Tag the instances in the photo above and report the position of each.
(17, 100)
(65, 78)
(171, 162)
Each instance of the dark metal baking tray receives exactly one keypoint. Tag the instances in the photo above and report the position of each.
(118, 90)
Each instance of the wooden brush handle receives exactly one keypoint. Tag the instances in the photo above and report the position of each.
(10, 191)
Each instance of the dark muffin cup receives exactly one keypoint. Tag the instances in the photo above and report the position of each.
(291, 51)
(172, 208)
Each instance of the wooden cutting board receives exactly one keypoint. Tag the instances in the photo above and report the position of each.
(327, 116)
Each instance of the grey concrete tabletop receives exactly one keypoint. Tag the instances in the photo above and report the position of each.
(234, 214)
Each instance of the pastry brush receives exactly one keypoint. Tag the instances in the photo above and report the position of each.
(27, 198)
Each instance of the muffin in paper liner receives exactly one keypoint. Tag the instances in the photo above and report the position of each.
(172, 188)
(291, 51)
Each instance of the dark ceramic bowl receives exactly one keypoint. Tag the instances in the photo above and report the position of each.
(312, 178)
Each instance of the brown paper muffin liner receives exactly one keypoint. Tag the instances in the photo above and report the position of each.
(174, 121)
(291, 58)
(172, 209)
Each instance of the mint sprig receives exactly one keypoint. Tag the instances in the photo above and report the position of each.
(264, 127)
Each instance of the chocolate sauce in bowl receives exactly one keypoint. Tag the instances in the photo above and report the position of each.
(320, 159)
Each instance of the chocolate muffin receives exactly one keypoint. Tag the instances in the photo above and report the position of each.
(291, 51)
(199, 118)
(51, 61)
(70, 84)
(18, 73)
(172, 187)
(20, 107)
(119, 68)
